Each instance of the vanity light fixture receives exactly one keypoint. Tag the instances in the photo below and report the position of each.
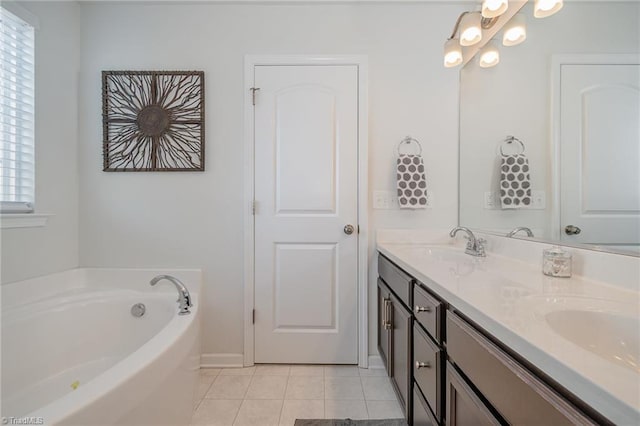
(452, 53)
(470, 28)
(544, 8)
(471, 25)
(493, 8)
(515, 31)
(452, 47)
(489, 55)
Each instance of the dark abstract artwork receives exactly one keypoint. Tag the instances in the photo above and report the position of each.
(153, 121)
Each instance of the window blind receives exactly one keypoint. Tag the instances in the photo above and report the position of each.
(17, 70)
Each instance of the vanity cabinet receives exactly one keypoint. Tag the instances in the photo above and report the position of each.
(513, 391)
(464, 407)
(448, 371)
(394, 329)
(400, 371)
(384, 326)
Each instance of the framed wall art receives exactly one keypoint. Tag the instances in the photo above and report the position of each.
(153, 121)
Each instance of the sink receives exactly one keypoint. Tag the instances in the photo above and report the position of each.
(437, 253)
(612, 336)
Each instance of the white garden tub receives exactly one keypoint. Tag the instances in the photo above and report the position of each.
(73, 353)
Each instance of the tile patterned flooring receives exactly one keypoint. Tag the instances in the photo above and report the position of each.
(267, 395)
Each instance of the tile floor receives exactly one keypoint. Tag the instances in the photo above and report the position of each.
(267, 395)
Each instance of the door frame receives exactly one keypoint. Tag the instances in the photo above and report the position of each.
(250, 62)
(557, 61)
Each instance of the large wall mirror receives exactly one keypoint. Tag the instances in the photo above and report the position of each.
(570, 95)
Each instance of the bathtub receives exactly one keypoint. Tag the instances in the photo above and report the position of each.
(74, 354)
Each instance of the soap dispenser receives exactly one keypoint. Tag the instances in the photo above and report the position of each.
(556, 262)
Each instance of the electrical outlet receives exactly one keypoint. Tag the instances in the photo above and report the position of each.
(538, 200)
(393, 200)
(490, 200)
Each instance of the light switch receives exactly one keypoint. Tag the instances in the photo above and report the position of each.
(385, 200)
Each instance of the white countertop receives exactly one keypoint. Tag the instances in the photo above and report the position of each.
(510, 299)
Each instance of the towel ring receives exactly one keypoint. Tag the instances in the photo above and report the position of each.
(508, 141)
(407, 141)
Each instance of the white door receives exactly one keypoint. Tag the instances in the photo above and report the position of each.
(600, 153)
(306, 192)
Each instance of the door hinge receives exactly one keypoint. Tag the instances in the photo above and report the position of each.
(253, 94)
(358, 229)
(253, 316)
(253, 207)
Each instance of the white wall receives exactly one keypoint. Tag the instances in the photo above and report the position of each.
(195, 219)
(514, 98)
(29, 252)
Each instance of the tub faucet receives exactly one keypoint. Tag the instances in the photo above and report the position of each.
(518, 229)
(184, 298)
(475, 246)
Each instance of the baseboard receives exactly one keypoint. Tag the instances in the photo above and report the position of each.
(237, 360)
(221, 360)
(375, 362)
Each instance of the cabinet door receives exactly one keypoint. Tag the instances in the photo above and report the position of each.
(516, 393)
(463, 405)
(422, 415)
(427, 370)
(384, 332)
(401, 351)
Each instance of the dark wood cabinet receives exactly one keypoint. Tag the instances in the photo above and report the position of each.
(464, 407)
(394, 342)
(422, 415)
(427, 369)
(513, 391)
(448, 371)
(384, 326)
(400, 371)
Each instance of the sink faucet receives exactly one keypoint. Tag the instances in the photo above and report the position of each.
(520, 228)
(475, 246)
(184, 298)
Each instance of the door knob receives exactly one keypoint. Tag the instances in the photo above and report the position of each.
(349, 229)
(571, 230)
(420, 365)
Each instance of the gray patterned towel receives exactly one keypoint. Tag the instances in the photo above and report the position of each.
(515, 183)
(412, 184)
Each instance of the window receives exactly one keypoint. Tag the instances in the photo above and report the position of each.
(16, 114)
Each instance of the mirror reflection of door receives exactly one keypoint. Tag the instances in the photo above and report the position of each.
(600, 152)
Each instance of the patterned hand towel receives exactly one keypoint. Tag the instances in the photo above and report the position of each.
(412, 184)
(515, 183)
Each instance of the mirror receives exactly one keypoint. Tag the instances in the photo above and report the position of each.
(571, 95)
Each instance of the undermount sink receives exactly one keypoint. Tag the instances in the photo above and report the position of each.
(438, 253)
(611, 336)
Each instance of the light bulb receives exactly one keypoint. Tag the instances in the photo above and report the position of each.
(489, 55)
(515, 31)
(493, 8)
(544, 8)
(470, 29)
(452, 53)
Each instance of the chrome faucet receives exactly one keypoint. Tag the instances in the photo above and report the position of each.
(475, 246)
(520, 228)
(184, 298)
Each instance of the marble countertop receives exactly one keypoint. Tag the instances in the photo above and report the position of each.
(521, 307)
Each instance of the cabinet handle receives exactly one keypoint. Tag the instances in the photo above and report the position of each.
(388, 324)
(419, 309)
(384, 312)
(422, 365)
